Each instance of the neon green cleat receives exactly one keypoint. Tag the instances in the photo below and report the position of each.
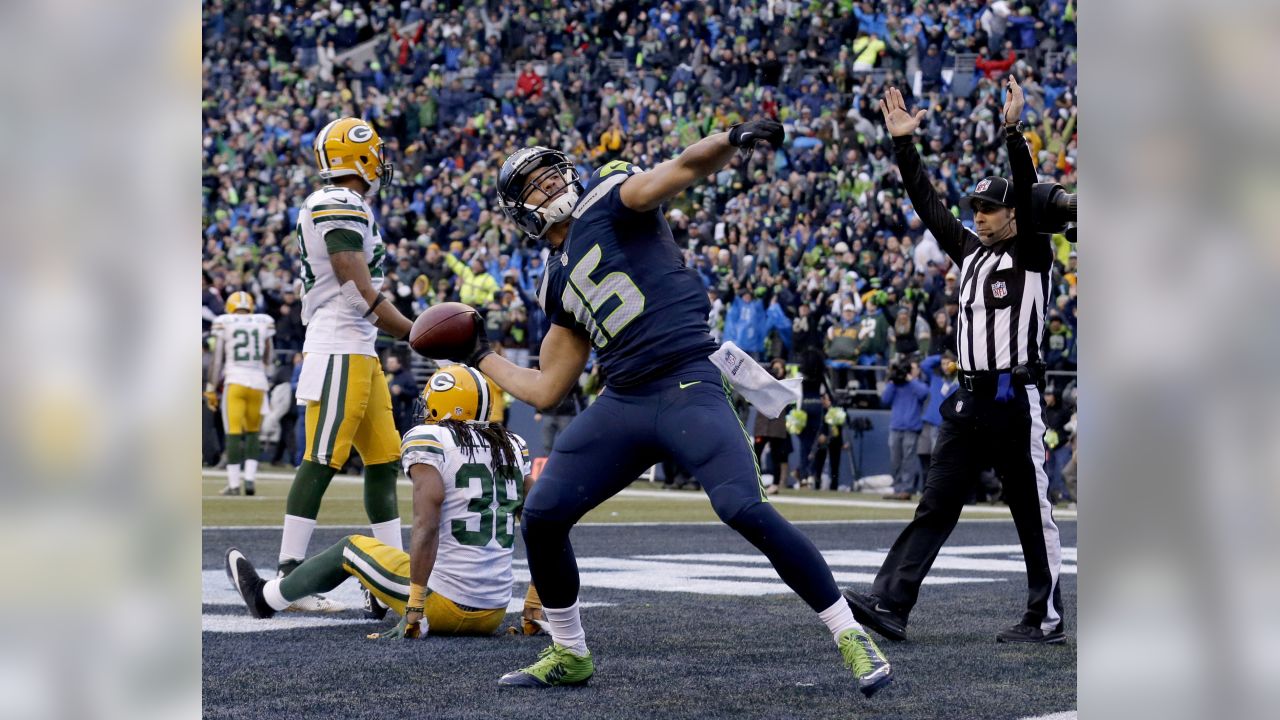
(865, 660)
(557, 666)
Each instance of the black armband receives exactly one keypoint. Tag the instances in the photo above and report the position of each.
(374, 306)
(1012, 129)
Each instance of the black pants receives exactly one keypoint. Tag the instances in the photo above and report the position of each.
(978, 432)
(828, 451)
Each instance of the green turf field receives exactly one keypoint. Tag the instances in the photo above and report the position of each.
(643, 502)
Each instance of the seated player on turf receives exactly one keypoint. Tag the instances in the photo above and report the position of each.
(470, 477)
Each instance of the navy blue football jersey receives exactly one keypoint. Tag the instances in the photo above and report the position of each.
(620, 278)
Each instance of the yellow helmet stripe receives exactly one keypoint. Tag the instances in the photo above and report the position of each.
(482, 395)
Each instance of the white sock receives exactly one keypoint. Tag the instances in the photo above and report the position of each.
(566, 628)
(296, 537)
(275, 598)
(388, 533)
(250, 469)
(233, 476)
(839, 618)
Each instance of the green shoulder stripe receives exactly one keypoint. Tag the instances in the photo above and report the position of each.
(342, 240)
(342, 218)
(337, 206)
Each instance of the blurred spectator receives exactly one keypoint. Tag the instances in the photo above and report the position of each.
(772, 433)
(830, 445)
(404, 392)
(941, 372)
(556, 419)
(1059, 344)
(478, 286)
(906, 396)
(815, 225)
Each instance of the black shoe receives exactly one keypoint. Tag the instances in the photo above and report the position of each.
(373, 609)
(248, 487)
(1032, 635)
(868, 610)
(247, 581)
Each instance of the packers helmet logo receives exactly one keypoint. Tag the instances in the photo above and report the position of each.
(360, 133)
(442, 382)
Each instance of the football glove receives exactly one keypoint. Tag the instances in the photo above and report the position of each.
(480, 349)
(746, 135)
(211, 400)
(406, 629)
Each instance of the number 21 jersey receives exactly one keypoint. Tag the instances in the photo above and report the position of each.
(244, 340)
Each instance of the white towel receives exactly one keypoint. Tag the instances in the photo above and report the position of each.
(768, 394)
(311, 380)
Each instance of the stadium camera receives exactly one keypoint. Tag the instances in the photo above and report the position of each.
(1054, 208)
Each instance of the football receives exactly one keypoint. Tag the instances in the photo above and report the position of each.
(444, 330)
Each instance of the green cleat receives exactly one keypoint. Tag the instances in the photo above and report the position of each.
(865, 660)
(557, 666)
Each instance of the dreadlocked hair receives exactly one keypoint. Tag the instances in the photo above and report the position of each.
(473, 436)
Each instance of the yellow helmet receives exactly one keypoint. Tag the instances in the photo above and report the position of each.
(351, 146)
(240, 302)
(458, 392)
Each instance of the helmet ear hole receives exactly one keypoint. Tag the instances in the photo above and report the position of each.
(434, 412)
(364, 159)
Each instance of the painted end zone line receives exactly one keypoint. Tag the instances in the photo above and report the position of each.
(700, 497)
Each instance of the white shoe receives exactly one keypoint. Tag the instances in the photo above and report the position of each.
(317, 604)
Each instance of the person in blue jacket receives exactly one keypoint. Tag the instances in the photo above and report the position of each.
(940, 371)
(906, 396)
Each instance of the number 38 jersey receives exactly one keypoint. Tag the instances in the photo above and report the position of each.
(621, 279)
(335, 219)
(477, 520)
(244, 339)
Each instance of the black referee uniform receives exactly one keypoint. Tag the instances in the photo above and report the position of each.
(996, 417)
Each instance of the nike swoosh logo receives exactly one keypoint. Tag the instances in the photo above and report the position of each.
(686, 385)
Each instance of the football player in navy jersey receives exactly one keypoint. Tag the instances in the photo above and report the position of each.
(617, 282)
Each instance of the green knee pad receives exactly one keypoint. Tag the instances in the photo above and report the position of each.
(308, 488)
(380, 491)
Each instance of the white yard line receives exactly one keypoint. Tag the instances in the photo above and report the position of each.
(1068, 715)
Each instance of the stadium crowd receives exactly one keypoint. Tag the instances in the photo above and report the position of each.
(812, 246)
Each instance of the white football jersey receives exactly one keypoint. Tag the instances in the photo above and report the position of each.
(244, 340)
(335, 218)
(477, 520)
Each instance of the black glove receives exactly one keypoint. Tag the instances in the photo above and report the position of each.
(481, 349)
(746, 135)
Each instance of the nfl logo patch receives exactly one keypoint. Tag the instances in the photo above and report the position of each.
(982, 186)
(999, 289)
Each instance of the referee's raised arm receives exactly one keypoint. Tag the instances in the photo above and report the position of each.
(951, 235)
(1035, 252)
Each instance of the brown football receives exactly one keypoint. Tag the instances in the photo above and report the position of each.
(444, 330)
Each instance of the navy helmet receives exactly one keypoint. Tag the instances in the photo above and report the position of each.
(538, 168)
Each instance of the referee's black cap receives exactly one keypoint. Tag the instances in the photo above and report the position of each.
(993, 190)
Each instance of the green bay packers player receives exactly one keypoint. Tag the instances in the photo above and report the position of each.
(342, 384)
(242, 349)
(470, 477)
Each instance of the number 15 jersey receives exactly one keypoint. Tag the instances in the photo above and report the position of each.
(477, 520)
(621, 279)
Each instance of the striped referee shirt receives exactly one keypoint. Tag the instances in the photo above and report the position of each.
(1003, 288)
